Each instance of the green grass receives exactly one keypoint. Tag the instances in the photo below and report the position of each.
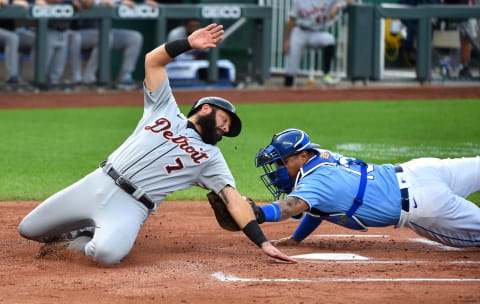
(46, 150)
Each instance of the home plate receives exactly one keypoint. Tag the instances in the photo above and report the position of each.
(330, 256)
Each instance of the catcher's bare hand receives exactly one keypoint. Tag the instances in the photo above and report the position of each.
(206, 37)
(288, 241)
(273, 252)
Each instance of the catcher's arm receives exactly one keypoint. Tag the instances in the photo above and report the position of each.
(306, 227)
(243, 215)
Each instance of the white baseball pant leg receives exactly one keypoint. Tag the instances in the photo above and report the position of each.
(298, 45)
(440, 211)
(94, 201)
(75, 55)
(10, 41)
(320, 40)
(130, 42)
(91, 40)
(27, 41)
(57, 47)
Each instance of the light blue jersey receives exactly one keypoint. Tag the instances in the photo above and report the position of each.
(319, 188)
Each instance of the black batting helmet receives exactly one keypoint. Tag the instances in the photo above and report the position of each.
(223, 104)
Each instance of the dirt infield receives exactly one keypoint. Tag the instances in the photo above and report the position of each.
(182, 256)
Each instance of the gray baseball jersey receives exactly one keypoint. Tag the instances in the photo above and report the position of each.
(164, 155)
(312, 14)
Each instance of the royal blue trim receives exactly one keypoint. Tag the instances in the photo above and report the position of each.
(446, 236)
(358, 201)
(272, 212)
(307, 226)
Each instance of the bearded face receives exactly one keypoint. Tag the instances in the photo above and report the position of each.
(208, 123)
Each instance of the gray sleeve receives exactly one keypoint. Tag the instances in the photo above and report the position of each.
(161, 95)
(216, 174)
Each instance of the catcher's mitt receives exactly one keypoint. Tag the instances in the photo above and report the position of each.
(224, 218)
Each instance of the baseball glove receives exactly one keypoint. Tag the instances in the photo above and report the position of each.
(224, 218)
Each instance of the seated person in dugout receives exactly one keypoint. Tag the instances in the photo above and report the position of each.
(101, 215)
(427, 194)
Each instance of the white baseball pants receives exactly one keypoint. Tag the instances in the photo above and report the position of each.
(94, 201)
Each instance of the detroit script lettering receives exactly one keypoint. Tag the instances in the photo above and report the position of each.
(163, 125)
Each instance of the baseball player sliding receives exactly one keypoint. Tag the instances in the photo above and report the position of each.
(427, 194)
(102, 213)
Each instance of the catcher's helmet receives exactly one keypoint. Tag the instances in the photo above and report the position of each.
(236, 125)
(272, 159)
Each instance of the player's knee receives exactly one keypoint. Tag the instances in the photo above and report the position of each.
(22, 229)
(103, 254)
(137, 39)
(26, 230)
(15, 41)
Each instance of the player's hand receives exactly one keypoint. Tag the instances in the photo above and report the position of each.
(288, 241)
(334, 10)
(206, 37)
(286, 46)
(129, 3)
(273, 252)
(153, 4)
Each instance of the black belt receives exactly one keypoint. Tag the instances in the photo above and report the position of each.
(128, 187)
(403, 192)
(307, 29)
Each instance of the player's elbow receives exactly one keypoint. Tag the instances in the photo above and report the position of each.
(149, 60)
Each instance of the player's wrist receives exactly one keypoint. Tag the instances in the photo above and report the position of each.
(177, 47)
(254, 233)
(271, 212)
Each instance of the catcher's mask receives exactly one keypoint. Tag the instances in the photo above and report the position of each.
(236, 125)
(272, 158)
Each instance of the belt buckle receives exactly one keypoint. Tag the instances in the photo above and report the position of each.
(120, 180)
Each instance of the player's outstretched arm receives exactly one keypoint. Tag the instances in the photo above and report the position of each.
(242, 212)
(306, 227)
(157, 59)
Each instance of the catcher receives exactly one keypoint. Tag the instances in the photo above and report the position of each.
(427, 194)
(101, 214)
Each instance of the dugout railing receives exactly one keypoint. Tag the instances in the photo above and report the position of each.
(213, 13)
(365, 39)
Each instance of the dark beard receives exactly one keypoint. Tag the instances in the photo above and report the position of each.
(208, 124)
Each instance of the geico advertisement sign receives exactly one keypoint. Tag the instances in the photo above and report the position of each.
(138, 11)
(53, 11)
(221, 11)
